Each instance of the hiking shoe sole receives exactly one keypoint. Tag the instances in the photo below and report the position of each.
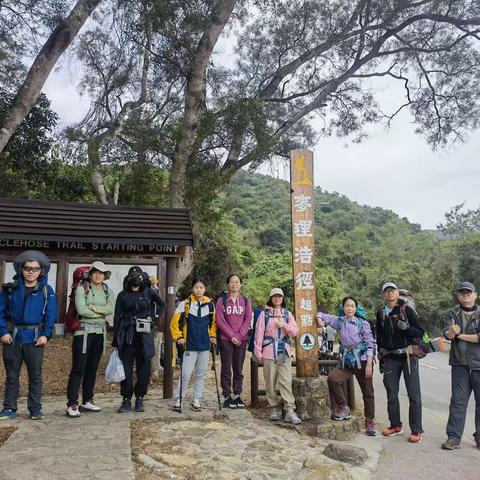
(450, 447)
(394, 434)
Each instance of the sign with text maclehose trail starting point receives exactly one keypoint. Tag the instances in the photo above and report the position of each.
(303, 245)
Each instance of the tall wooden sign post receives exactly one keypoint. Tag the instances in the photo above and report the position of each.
(303, 244)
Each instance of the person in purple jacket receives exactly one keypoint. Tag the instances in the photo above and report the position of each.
(358, 346)
(234, 315)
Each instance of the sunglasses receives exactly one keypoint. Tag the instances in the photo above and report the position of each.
(31, 269)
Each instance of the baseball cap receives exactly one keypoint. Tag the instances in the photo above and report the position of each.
(388, 285)
(466, 286)
(276, 291)
(135, 270)
(101, 267)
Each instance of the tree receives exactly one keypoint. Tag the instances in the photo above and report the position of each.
(459, 222)
(58, 41)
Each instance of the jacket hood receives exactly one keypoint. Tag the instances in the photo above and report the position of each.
(31, 255)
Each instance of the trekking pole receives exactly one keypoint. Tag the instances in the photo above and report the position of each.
(180, 358)
(212, 348)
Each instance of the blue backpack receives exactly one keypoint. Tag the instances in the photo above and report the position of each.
(268, 339)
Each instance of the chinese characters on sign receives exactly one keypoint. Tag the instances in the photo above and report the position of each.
(304, 261)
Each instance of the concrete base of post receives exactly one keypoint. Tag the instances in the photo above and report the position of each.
(312, 400)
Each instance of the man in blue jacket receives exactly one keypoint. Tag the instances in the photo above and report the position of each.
(28, 312)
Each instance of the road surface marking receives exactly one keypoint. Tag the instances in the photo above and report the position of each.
(429, 366)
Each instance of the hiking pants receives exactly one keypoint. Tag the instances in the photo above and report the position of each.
(279, 374)
(14, 355)
(199, 362)
(340, 375)
(84, 367)
(129, 354)
(464, 381)
(232, 358)
(391, 379)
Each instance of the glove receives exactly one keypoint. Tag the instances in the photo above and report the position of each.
(402, 325)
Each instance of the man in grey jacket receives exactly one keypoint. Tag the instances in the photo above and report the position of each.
(461, 325)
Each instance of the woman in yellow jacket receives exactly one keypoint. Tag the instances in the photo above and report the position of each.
(194, 328)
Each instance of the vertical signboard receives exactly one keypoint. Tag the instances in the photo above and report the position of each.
(303, 254)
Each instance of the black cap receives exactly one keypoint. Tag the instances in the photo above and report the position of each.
(466, 286)
(136, 270)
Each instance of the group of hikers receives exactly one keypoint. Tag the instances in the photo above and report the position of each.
(200, 325)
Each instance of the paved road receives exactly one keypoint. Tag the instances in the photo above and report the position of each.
(426, 460)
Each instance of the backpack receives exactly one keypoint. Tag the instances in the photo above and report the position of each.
(420, 346)
(269, 340)
(72, 318)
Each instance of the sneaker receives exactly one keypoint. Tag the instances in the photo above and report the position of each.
(126, 406)
(8, 414)
(229, 403)
(239, 402)
(36, 415)
(342, 413)
(415, 438)
(72, 411)
(139, 407)
(275, 414)
(392, 431)
(292, 417)
(196, 405)
(178, 406)
(89, 407)
(451, 444)
(370, 427)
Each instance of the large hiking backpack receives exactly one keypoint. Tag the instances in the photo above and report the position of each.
(72, 318)
(420, 346)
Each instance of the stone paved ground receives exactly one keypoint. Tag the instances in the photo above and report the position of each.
(165, 444)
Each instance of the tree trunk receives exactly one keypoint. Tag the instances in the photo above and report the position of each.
(195, 100)
(57, 43)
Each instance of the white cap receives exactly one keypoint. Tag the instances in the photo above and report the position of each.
(276, 291)
(389, 285)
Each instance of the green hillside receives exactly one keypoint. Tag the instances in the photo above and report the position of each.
(357, 248)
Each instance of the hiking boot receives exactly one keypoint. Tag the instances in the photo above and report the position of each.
(342, 413)
(370, 427)
(451, 444)
(196, 405)
(89, 407)
(178, 406)
(229, 403)
(139, 407)
(392, 431)
(72, 411)
(415, 438)
(36, 415)
(292, 417)
(126, 406)
(239, 402)
(275, 414)
(8, 414)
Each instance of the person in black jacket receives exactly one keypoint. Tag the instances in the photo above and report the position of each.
(397, 327)
(133, 336)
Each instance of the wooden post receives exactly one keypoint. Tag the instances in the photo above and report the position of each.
(167, 368)
(303, 244)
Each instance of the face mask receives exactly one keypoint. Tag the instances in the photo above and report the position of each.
(135, 282)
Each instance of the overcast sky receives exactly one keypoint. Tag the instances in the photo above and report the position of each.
(393, 169)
